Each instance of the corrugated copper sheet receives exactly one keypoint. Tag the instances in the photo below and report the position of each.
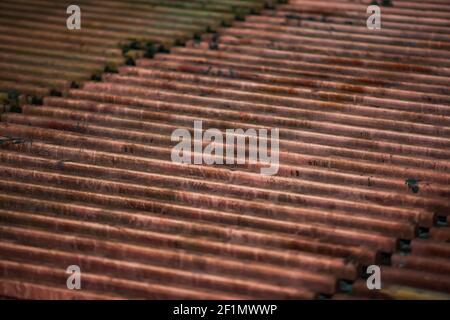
(364, 175)
(40, 56)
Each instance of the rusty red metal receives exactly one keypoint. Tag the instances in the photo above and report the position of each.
(40, 56)
(364, 119)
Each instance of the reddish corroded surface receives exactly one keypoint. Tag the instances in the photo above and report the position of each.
(364, 119)
(40, 56)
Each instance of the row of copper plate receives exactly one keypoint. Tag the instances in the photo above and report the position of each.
(39, 55)
(364, 116)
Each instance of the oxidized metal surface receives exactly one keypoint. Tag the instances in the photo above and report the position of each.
(40, 56)
(364, 119)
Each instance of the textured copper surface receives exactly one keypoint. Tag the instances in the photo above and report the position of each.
(364, 120)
